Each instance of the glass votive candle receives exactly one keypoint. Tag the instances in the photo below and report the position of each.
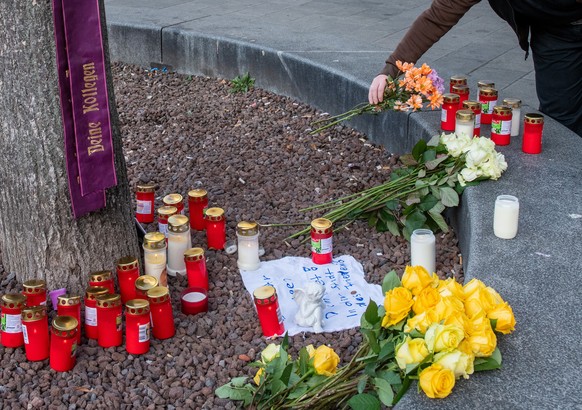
(137, 326)
(143, 284)
(164, 214)
(109, 320)
(161, 313)
(533, 126)
(197, 202)
(515, 105)
(102, 278)
(488, 100)
(506, 216)
(465, 123)
(474, 106)
(422, 249)
(215, 228)
(11, 319)
(267, 305)
(63, 349)
(36, 333)
(91, 294)
(144, 198)
(127, 273)
(194, 300)
(179, 241)
(35, 292)
(321, 241)
(196, 268)
(154, 256)
(248, 245)
(501, 125)
(69, 305)
(176, 200)
(449, 110)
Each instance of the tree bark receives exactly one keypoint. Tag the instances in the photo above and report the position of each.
(39, 238)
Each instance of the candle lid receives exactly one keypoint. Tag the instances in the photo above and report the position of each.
(465, 115)
(100, 276)
(197, 194)
(146, 187)
(245, 228)
(458, 79)
(167, 210)
(265, 295)
(178, 223)
(108, 300)
(512, 102)
(194, 254)
(533, 118)
(460, 89)
(146, 282)
(69, 300)
(65, 323)
(12, 300)
(485, 84)
(172, 199)
(137, 307)
(92, 292)
(472, 105)
(34, 313)
(127, 263)
(214, 214)
(488, 92)
(451, 98)
(322, 225)
(501, 110)
(154, 240)
(158, 294)
(34, 286)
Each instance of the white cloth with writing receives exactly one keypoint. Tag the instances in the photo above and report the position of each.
(347, 293)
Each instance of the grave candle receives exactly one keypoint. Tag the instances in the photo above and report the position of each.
(11, 320)
(91, 294)
(161, 312)
(196, 268)
(36, 333)
(109, 320)
(501, 125)
(457, 80)
(248, 245)
(488, 100)
(154, 254)
(465, 123)
(533, 125)
(515, 105)
(164, 214)
(179, 241)
(449, 109)
(474, 106)
(215, 228)
(194, 300)
(69, 305)
(506, 216)
(175, 200)
(463, 92)
(102, 278)
(267, 305)
(197, 202)
(321, 241)
(144, 198)
(143, 284)
(127, 274)
(422, 249)
(485, 84)
(137, 326)
(35, 292)
(63, 348)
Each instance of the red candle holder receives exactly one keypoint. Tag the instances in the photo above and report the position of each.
(144, 198)
(197, 202)
(194, 300)
(102, 278)
(69, 305)
(215, 228)
(463, 92)
(501, 125)
(164, 214)
(321, 241)
(137, 326)
(176, 200)
(35, 292)
(196, 268)
(11, 320)
(457, 80)
(127, 274)
(109, 320)
(36, 333)
(488, 100)
(474, 106)
(91, 294)
(161, 313)
(533, 126)
(143, 284)
(63, 350)
(267, 305)
(449, 110)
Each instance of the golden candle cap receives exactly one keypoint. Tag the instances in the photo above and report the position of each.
(460, 89)
(178, 223)
(488, 92)
(265, 295)
(533, 118)
(100, 276)
(167, 210)
(485, 84)
(146, 282)
(137, 307)
(512, 102)
(501, 110)
(146, 187)
(127, 263)
(154, 240)
(13, 300)
(32, 314)
(197, 194)
(108, 300)
(158, 294)
(322, 225)
(214, 214)
(472, 105)
(458, 79)
(173, 199)
(245, 228)
(92, 292)
(69, 300)
(65, 323)
(194, 254)
(465, 115)
(451, 98)
(34, 286)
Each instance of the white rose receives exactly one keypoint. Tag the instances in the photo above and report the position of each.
(455, 145)
(458, 362)
(471, 174)
(475, 156)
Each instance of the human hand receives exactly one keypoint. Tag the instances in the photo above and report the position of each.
(376, 92)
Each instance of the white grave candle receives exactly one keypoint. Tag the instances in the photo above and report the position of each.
(506, 216)
(422, 249)
(248, 245)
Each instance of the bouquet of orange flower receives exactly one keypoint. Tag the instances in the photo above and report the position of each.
(410, 90)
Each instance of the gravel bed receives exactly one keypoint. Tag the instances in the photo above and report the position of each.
(253, 154)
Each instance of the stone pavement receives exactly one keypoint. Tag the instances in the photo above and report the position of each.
(325, 52)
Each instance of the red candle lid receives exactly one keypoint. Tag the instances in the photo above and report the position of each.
(265, 295)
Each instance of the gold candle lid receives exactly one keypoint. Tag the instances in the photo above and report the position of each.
(127, 263)
(178, 223)
(173, 199)
(458, 79)
(214, 214)
(146, 187)
(460, 89)
(65, 325)
(154, 240)
(92, 292)
(265, 295)
(167, 210)
(108, 300)
(472, 105)
(137, 307)
(158, 294)
(69, 300)
(451, 98)
(512, 102)
(322, 225)
(465, 115)
(485, 84)
(13, 300)
(533, 118)
(197, 194)
(194, 254)
(146, 282)
(32, 314)
(488, 92)
(34, 286)
(100, 276)
(244, 228)
(501, 110)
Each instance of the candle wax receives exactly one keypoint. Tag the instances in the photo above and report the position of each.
(193, 297)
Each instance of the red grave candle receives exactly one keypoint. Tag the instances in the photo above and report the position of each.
(196, 268)
(488, 100)
(463, 92)
(144, 198)
(501, 125)
(109, 320)
(449, 110)
(457, 80)
(102, 278)
(161, 312)
(533, 126)
(268, 311)
(127, 273)
(197, 202)
(63, 350)
(175, 200)
(36, 333)
(137, 326)
(91, 294)
(194, 300)
(35, 292)
(143, 284)
(474, 106)
(164, 214)
(69, 305)
(11, 319)
(321, 241)
(215, 228)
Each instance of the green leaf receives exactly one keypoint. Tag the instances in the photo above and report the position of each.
(384, 391)
(391, 281)
(386, 351)
(371, 313)
(422, 173)
(285, 343)
(419, 149)
(233, 393)
(277, 386)
(370, 336)
(362, 384)
(428, 202)
(408, 160)
(364, 401)
(393, 227)
(287, 374)
(391, 377)
(434, 190)
(303, 361)
(492, 362)
(449, 197)
(372, 220)
(298, 392)
(429, 155)
(493, 323)
(439, 220)
(414, 221)
(415, 334)
(392, 205)
(432, 164)
(410, 368)
(239, 381)
(434, 141)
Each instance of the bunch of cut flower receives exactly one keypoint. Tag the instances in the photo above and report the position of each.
(431, 330)
(413, 87)
(431, 179)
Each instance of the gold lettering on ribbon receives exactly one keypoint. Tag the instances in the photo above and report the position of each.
(89, 94)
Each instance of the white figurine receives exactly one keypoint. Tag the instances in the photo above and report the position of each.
(311, 306)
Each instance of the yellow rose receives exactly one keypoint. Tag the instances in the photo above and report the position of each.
(426, 298)
(472, 286)
(325, 361)
(450, 287)
(479, 299)
(459, 362)
(436, 381)
(397, 303)
(257, 378)
(443, 337)
(421, 322)
(473, 307)
(458, 319)
(270, 352)
(416, 278)
(504, 316)
(448, 306)
(494, 295)
(310, 350)
(411, 351)
(482, 340)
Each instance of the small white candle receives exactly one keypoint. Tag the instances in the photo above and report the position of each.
(194, 297)
(506, 216)
(465, 124)
(248, 245)
(422, 249)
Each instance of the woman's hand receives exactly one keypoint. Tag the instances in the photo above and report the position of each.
(376, 92)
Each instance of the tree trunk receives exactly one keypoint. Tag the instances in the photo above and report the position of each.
(38, 236)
